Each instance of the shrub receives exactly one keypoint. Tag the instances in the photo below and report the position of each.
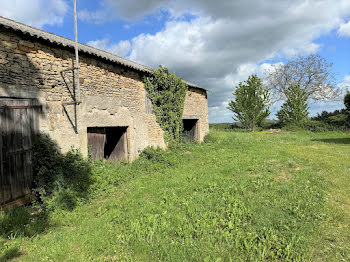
(319, 126)
(59, 180)
(159, 156)
(155, 155)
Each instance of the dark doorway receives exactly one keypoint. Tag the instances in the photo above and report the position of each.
(108, 143)
(190, 129)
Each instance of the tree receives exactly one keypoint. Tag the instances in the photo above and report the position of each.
(347, 108)
(295, 110)
(250, 106)
(311, 73)
(347, 101)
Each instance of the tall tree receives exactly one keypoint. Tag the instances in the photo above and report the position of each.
(347, 108)
(295, 110)
(311, 73)
(250, 106)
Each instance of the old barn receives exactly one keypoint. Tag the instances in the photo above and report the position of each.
(113, 118)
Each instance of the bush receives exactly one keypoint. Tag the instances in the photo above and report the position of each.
(155, 155)
(226, 126)
(158, 155)
(319, 126)
(60, 181)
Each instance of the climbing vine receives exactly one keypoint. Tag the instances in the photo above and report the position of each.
(167, 93)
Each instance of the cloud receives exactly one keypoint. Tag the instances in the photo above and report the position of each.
(344, 85)
(97, 17)
(126, 10)
(223, 42)
(121, 49)
(344, 29)
(334, 104)
(35, 12)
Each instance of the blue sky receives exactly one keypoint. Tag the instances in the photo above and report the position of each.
(215, 44)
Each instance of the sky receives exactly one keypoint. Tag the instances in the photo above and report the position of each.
(214, 44)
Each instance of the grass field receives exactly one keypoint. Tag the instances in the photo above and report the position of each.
(238, 197)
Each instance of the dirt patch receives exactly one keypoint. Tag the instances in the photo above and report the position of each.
(283, 177)
(315, 147)
(275, 131)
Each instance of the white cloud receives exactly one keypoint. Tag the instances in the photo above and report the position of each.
(35, 12)
(121, 49)
(344, 85)
(344, 29)
(96, 17)
(225, 41)
(127, 10)
(334, 104)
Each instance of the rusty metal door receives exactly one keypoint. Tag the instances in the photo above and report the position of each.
(17, 130)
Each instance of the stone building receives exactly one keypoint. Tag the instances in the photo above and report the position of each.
(114, 118)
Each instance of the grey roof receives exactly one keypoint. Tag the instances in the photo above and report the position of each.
(65, 42)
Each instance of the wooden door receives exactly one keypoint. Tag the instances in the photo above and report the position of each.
(18, 127)
(119, 152)
(108, 143)
(96, 142)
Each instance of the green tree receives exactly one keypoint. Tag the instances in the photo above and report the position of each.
(295, 110)
(167, 94)
(251, 104)
(347, 101)
(347, 107)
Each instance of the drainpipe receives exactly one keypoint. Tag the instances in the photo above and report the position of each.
(78, 100)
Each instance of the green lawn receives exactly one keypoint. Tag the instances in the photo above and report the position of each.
(238, 197)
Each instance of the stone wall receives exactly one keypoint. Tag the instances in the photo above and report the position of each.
(196, 107)
(111, 95)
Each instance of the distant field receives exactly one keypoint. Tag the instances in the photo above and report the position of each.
(238, 197)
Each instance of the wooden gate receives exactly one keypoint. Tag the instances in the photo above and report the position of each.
(17, 129)
(108, 142)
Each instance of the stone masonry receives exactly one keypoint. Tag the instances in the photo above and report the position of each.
(111, 94)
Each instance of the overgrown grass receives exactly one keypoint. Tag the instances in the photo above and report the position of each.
(237, 197)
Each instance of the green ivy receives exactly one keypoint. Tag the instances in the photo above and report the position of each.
(167, 94)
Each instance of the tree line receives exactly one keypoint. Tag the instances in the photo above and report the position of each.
(294, 84)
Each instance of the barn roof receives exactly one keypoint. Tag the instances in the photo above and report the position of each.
(65, 42)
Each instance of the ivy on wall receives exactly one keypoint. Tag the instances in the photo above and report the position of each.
(167, 93)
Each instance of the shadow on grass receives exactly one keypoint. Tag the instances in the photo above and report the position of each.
(22, 222)
(61, 181)
(345, 140)
(10, 254)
